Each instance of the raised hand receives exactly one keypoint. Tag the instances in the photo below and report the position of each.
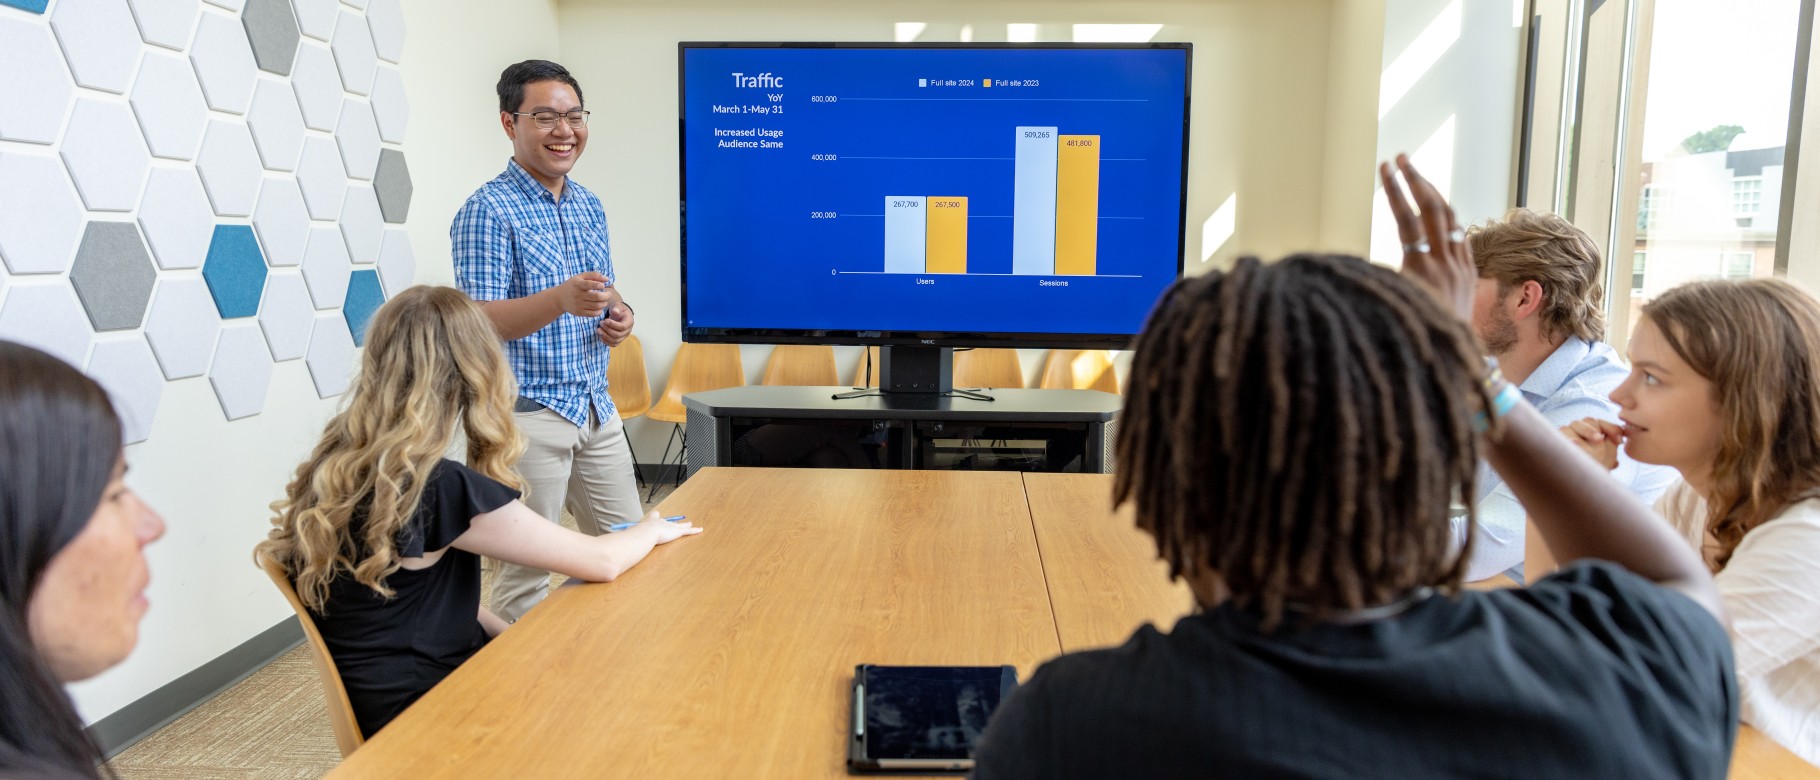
(1435, 251)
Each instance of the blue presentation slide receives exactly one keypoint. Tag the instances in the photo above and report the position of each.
(969, 190)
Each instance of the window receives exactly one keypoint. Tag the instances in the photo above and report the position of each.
(1637, 267)
(1653, 206)
(1738, 265)
(1747, 195)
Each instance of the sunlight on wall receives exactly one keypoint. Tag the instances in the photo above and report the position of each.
(1116, 33)
(1421, 55)
(908, 31)
(1219, 227)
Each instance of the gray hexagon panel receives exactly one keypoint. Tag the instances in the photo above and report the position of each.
(106, 155)
(49, 317)
(362, 225)
(169, 105)
(35, 93)
(286, 315)
(354, 56)
(277, 125)
(230, 170)
(321, 177)
(331, 354)
(242, 371)
(126, 368)
(182, 325)
(318, 86)
(358, 136)
(40, 218)
(281, 221)
(390, 106)
(397, 263)
(326, 268)
(316, 18)
(393, 185)
(224, 63)
(176, 218)
(166, 23)
(100, 42)
(386, 19)
(113, 275)
(273, 32)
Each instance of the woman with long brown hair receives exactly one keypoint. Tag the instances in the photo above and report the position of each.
(1725, 387)
(382, 535)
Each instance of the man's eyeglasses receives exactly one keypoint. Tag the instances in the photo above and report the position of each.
(547, 119)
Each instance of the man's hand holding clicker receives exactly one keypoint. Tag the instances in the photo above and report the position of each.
(587, 294)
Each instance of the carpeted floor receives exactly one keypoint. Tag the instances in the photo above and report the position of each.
(274, 724)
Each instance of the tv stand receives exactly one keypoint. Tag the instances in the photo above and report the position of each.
(916, 430)
(916, 371)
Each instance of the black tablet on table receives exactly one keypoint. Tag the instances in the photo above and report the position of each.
(922, 719)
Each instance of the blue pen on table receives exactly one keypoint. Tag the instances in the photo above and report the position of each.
(617, 527)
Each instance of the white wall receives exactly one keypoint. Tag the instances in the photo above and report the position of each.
(213, 480)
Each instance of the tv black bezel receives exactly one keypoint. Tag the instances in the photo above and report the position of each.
(899, 337)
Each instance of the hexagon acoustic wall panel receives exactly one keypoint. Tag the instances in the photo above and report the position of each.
(113, 275)
(139, 230)
(235, 272)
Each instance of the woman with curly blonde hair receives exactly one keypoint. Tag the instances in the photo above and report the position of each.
(382, 535)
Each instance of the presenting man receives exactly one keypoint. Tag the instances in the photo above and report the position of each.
(531, 246)
(1538, 310)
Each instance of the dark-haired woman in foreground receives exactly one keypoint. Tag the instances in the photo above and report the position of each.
(1293, 437)
(72, 574)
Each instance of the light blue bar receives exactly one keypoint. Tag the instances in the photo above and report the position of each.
(906, 233)
(1033, 203)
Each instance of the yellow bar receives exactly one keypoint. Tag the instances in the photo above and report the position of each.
(946, 244)
(1077, 203)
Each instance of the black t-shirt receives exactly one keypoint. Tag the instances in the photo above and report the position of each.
(1593, 672)
(392, 651)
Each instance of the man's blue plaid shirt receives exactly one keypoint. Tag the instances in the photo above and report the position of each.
(512, 239)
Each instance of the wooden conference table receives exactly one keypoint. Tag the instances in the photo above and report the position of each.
(730, 654)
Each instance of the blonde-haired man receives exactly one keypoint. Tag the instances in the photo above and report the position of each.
(1539, 310)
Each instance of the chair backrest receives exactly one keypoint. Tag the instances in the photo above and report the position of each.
(800, 364)
(698, 367)
(627, 382)
(1079, 369)
(865, 373)
(987, 368)
(341, 712)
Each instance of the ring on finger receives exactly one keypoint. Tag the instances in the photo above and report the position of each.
(1420, 247)
(1457, 236)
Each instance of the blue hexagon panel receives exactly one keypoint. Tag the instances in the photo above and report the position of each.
(35, 6)
(364, 298)
(235, 271)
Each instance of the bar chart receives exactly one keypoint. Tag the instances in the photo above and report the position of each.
(1055, 214)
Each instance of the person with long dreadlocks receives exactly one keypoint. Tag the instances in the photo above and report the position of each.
(1293, 437)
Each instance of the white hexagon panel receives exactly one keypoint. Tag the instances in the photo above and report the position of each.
(230, 170)
(318, 86)
(231, 5)
(354, 55)
(176, 218)
(391, 109)
(126, 368)
(386, 19)
(326, 268)
(331, 354)
(320, 175)
(166, 23)
(35, 92)
(282, 222)
(51, 318)
(169, 105)
(242, 371)
(397, 263)
(40, 218)
(277, 125)
(224, 63)
(105, 154)
(358, 136)
(362, 226)
(100, 41)
(359, 4)
(316, 18)
(286, 315)
(182, 325)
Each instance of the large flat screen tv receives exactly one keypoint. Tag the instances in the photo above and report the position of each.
(943, 195)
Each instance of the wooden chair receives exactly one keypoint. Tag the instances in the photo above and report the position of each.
(861, 376)
(698, 367)
(987, 368)
(630, 387)
(341, 712)
(1079, 369)
(799, 365)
